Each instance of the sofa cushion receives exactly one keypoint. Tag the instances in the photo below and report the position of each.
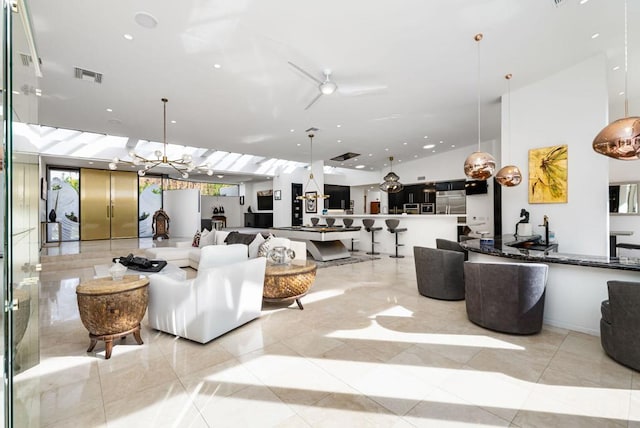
(221, 236)
(255, 246)
(236, 237)
(196, 240)
(207, 238)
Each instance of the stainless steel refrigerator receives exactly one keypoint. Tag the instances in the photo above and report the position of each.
(451, 202)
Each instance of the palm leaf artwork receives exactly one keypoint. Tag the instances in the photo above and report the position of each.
(548, 174)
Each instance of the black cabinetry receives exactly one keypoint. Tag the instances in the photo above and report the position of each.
(339, 197)
(442, 186)
(261, 220)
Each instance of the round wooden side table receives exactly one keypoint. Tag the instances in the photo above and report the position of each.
(110, 309)
(288, 282)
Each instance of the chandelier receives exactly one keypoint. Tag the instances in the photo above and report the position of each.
(621, 139)
(309, 193)
(182, 165)
(391, 181)
(479, 165)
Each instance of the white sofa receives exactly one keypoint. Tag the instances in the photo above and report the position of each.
(185, 255)
(226, 293)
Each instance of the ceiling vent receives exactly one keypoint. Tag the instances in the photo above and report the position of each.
(89, 75)
(558, 3)
(345, 156)
(27, 60)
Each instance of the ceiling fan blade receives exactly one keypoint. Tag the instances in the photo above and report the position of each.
(313, 101)
(355, 90)
(315, 79)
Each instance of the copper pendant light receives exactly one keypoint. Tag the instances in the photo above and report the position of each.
(479, 165)
(621, 139)
(391, 181)
(509, 175)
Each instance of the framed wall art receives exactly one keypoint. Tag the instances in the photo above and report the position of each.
(548, 175)
(311, 204)
(277, 195)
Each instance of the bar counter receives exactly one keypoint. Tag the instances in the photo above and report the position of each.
(576, 285)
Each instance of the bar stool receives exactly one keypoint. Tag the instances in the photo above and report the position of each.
(348, 222)
(392, 226)
(330, 221)
(368, 226)
(314, 221)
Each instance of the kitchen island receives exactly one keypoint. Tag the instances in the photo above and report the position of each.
(577, 283)
(422, 231)
(323, 243)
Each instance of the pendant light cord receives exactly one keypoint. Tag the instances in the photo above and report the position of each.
(626, 62)
(478, 37)
(164, 131)
(508, 77)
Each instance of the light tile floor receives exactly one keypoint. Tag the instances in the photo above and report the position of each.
(367, 350)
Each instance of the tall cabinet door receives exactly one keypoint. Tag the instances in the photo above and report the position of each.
(95, 204)
(124, 204)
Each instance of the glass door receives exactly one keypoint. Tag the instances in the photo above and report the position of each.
(21, 191)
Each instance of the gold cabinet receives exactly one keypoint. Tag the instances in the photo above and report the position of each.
(109, 204)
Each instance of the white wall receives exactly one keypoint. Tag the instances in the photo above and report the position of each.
(233, 211)
(282, 208)
(569, 107)
(183, 208)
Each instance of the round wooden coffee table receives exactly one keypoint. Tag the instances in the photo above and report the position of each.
(110, 309)
(288, 282)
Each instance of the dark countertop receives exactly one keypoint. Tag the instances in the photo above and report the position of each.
(500, 249)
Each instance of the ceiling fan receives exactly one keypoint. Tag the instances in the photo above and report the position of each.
(326, 87)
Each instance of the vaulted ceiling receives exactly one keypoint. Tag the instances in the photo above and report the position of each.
(407, 71)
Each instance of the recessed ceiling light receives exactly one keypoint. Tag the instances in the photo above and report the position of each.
(429, 146)
(616, 68)
(146, 20)
(128, 36)
(355, 160)
(217, 66)
(370, 154)
(453, 145)
(415, 156)
(371, 168)
(399, 160)
(583, 1)
(441, 141)
(426, 136)
(90, 163)
(339, 126)
(222, 176)
(384, 164)
(404, 144)
(621, 93)
(433, 151)
(386, 150)
(15, 92)
(109, 110)
(38, 92)
(298, 144)
(339, 141)
(291, 130)
(595, 35)
(173, 121)
(359, 166)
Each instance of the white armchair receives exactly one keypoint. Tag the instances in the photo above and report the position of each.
(226, 293)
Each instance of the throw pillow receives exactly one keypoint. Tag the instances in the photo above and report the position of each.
(255, 246)
(265, 247)
(236, 237)
(221, 236)
(207, 238)
(196, 240)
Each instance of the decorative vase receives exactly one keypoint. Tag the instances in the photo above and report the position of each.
(215, 210)
(280, 255)
(221, 210)
(52, 215)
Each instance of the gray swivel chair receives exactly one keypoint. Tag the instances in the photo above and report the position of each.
(314, 221)
(330, 221)
(392, 227)
(368, 226)
(620, 323)
(445, 244)
(439, 273)
(506, 297)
